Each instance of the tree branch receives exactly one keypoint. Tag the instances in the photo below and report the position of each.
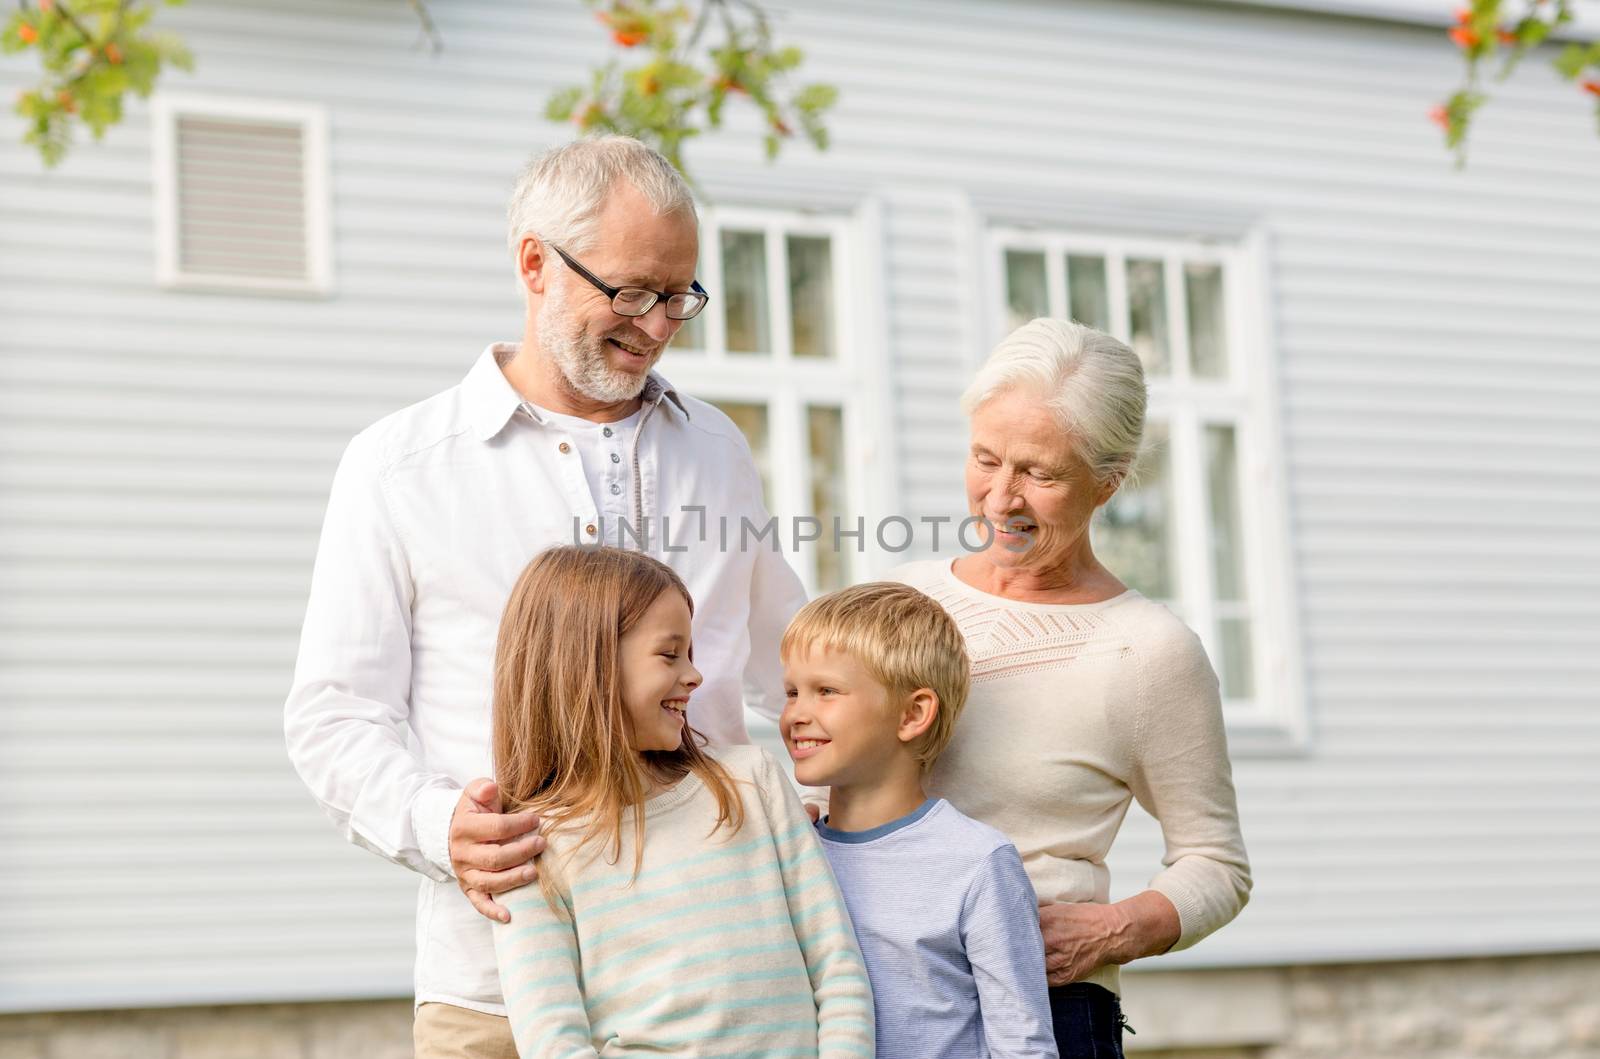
(429, 30)
(66, 13)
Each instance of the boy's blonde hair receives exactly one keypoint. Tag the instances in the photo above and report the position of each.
(560, 730)
(902, 637)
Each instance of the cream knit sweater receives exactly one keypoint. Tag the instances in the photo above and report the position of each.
(725, 944)
(1075, 710)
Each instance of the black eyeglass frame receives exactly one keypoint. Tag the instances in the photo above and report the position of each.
(656, 295)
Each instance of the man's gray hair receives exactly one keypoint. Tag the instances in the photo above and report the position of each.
(1092, 384)
(560, 193)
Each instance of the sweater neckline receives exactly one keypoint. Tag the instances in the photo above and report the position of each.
(686, 787)
(947, 575)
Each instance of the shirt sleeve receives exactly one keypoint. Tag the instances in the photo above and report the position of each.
(540, 972)
(1182, 777)
(345, 720)
(1000, 929)
(776, 595)
(845, 1027)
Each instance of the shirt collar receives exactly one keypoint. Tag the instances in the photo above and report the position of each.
(873, 834)
(491, 401)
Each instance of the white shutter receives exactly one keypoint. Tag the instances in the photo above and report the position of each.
(242, 196)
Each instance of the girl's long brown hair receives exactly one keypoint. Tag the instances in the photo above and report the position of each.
(561, 743)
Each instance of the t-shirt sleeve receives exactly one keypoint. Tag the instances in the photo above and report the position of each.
(540, 976)
(1000, 929)
(845, 1026)
(1182, 777)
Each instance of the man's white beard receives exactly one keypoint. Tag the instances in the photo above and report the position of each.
(583, 358)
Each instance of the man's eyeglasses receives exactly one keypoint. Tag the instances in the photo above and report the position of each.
(636, 301)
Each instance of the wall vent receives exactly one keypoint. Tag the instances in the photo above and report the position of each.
(242, 191)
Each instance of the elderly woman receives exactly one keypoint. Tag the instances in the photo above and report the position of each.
(1085, 694)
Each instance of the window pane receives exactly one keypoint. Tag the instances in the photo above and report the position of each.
(744, 275)
(1027, 289)
(752, 419)
(1086, 287)
(1222, 490)
(826, 429)
(811, 295)
(1238, 670)
(1147, 314)
(691, 337)
(1133, 533)
(1208, 348)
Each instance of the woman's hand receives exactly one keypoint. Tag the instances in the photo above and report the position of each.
(1079, 939)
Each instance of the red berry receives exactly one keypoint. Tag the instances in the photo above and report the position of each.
(1592, 87)
(1440, 117)
(27, 33)
(1465, 37)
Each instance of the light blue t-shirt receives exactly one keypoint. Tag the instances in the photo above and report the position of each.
(949, 926)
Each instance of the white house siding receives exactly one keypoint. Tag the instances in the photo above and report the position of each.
(164, 457)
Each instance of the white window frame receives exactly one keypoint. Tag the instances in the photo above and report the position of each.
(853, 380)
(165, 110)
(1274, 721)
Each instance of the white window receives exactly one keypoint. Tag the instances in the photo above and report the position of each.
(1202, 527)
(241, 196)
(777, 350)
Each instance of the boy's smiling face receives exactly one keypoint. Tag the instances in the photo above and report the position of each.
(839, 724)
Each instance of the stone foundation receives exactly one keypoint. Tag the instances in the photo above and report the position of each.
(377, 1029)
(1539, 1007)
(1534, 1007)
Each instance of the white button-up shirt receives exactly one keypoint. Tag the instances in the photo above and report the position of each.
(605, 451)
(434, 512)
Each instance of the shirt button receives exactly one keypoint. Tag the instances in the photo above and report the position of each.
(589, 529)
(615, 489)
(565, 448)
(606, 432)
(615, 458)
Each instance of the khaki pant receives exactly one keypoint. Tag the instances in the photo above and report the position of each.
(444, 1031)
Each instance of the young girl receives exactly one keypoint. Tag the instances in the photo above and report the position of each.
(684, 905)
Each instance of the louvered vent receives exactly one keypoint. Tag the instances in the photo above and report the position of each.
(241, 199)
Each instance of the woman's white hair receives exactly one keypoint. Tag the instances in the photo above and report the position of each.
(1092, 384)
(560, 193)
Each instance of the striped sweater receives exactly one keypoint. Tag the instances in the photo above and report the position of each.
(728, 945)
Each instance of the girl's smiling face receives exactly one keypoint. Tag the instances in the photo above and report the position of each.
(658, 674)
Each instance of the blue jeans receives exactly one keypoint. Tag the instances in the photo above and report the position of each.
(1088, 1021)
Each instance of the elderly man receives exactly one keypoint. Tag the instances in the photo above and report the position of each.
(436, 509)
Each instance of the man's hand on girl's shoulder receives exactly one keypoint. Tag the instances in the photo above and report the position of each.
(491, 851)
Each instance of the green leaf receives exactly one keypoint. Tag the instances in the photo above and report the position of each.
(172, 49)
(1571, 61)
(561, 105)
(1531, 32)
(813, 99)
(143, 64)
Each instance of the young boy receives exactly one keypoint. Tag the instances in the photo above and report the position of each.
(943, 911)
